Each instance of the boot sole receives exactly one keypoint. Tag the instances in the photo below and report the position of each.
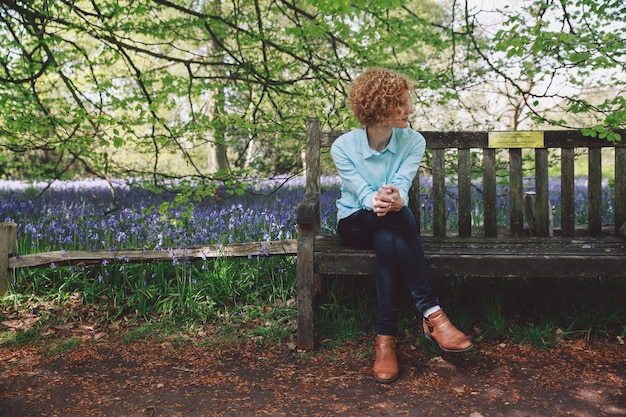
(386, 381)
(467, 349)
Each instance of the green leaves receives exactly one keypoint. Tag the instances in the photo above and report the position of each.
(559, 63)
(220, 89)
(158, 85)
(602, 132)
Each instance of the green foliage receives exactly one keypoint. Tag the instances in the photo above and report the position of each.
(566, 54)
(219, 85)
(60, 347)
(347, 309)
(203, 95)
(20, 338)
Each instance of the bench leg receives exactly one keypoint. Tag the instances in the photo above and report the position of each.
(306, 289)
(306, 317)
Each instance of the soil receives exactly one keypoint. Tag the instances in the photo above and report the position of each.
(104, 375)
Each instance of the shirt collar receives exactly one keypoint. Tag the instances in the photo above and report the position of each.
(368, 152)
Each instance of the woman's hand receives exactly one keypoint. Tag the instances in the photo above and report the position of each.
(387, 199)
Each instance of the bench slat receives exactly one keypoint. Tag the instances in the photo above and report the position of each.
(567, 191)
(490, 217)
(478, 140)
(529, 245)
(543, 208)
(516, 192)
(414, 201)
(452, 265)
(465, 192)
(594, 187)
(439, 192)
(620, 187)
(455, 257)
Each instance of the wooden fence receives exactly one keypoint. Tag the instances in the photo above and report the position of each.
(9, 260)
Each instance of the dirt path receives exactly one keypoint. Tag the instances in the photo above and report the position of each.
(111, 378)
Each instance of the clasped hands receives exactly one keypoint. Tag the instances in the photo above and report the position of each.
(387, 199)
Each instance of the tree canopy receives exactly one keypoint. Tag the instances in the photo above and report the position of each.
(206, 90)
(558, 63)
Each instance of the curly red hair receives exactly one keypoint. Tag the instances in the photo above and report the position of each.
(376, 94)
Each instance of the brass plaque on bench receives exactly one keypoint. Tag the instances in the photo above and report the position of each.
(516, 140)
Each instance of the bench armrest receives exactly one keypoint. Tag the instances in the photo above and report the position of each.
(308, 212)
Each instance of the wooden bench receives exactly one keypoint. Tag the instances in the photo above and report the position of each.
(487, 249)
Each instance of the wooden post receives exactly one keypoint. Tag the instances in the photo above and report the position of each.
(8, 245)
(594, 190)
(308, 219)
(306, 287)
(414, 201)
(620, 190)
(543, 209)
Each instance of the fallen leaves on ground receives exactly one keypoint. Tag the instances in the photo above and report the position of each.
(102, 375)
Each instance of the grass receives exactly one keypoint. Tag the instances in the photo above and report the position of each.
(20, 338)
(542, 313)
(213, 301)
(61, 346)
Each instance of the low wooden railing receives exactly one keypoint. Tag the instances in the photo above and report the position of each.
(10, 261)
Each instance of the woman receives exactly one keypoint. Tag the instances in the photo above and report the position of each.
(377, 164)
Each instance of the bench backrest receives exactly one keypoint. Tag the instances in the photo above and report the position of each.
(565, 142)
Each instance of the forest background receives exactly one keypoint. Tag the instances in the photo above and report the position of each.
(194, 94)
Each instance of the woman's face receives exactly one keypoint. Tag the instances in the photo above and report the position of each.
(401, 117)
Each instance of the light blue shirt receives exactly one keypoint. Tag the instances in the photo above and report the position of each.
(363, 170)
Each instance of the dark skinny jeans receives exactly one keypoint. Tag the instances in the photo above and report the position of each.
(399, 261)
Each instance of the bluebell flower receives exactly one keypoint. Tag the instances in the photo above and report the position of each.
(70, 214)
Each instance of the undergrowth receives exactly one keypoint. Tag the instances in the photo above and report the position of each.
(214, 301)
(229, 301)
(538, 312)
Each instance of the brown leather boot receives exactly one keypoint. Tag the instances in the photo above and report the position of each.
(386, 367)
(437, 326)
